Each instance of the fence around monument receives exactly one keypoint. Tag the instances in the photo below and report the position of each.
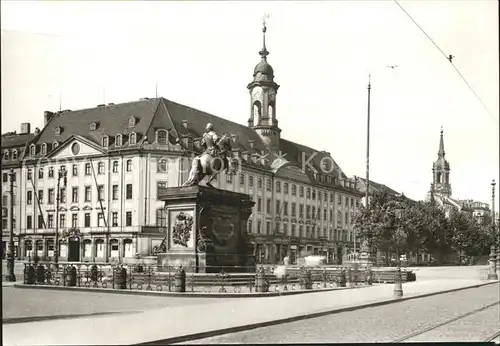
(167, 279)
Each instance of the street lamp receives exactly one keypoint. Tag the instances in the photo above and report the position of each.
(61, 174)
(398, 281)
(11, 277)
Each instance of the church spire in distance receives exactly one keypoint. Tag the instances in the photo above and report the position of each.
(441, 145)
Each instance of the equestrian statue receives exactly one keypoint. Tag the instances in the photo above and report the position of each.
(214, 159)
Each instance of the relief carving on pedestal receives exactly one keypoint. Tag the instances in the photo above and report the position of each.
(181, 232)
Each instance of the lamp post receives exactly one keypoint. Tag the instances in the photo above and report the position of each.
(61, 174)
(11, 277)
(398, 281)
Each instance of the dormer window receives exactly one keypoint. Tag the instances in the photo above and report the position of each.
(132, 139)
(118, 140)
(161, 137)
(32, 150)
(55, 144)
(6, 155)
(58, 130)
(14, 155)
(105, 141)
(132, 121)
(44, 148)
(94, 126)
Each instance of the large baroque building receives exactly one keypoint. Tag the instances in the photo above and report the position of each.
(118, 156)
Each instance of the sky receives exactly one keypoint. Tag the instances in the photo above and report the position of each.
(202, 54)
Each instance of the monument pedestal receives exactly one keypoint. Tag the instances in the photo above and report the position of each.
(206, 230)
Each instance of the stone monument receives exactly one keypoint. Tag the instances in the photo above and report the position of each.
(365, 259)
(206, 230)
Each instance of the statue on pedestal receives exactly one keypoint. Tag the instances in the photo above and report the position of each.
(214, 159)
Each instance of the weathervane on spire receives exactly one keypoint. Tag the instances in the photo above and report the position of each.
(264, 17)
(441, 130)
(263, 53)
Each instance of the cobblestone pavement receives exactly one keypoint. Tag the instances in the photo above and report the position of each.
(388, 323)
(18, 302)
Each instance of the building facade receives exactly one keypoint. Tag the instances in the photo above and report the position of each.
(93, 176)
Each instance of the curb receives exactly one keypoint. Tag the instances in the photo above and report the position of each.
(230, 330)
(183, 294)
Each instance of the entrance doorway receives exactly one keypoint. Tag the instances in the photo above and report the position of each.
(74, 250)
(339, 255)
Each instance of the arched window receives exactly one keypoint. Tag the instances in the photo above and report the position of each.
(50, 247)
(87, 248)
(132, 121)
(14, 155)
(161, 217)
(115, 166)
(55, 144)
(118, 140)
(40, 173)
(129, 165)
(28, 246)
(270, 110)
(99, 247)
(162, 137)
(6, 155)
(105, 141)
(100, 168)
(257, 109)
(113, 244)
(32, 150)
(44, 148)
(128, 248)
(133, 139)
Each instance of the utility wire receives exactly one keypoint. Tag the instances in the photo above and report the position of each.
(449, 59)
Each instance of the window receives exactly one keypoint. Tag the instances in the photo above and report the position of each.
(6, 155)
(29, 175)
(51, 196)
(339, 200)
(100, 219)
(259, 226)
(301, 191)
(229, 178)
(278, 209)
(128, 248)
(308, 193)
(294, 190)
(293, 231)
(50, 221)
(285, 208)
(268, 185)
(159, 186)
(249, 226)
(105, 141)
(308, 211)
(162, 137)
(62, 195)
(314, 195)
(75, 170)
(32, 150)
(51, 172)
(115, 192)
(268, 206)
(62, 220)
(114, 219)
(259, 182)
(74, 195)
(87, 220)
(268, 227)
(115, 166)
(161, 165)
(352, 202)
(250, 181)
(132, 139)
(14, 155)
(242, 179)
(161, 217)
(259, 204)
(29, 222)
(5, 223)
(113, 244)
(87, 248)
(128, 219)
(100, 193)
(40, 221)
(314, 215)
(285, 188)
(14, 223)
(100, 168)
(99, 247)
(331, 197)
(87, 169)
(129, 165)
(129, 191)
(278, 186)
(324, 214)
(88, 193)
(74, 220)
(294, 207)
(5, 178)
(301, 231)
(118, 140)
(29, 197)
(301, 211)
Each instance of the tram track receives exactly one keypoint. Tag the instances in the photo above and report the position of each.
(450, 321)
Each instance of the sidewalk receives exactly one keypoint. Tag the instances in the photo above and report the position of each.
(175, 324)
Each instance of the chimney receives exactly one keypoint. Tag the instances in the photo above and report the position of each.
(25, 128)
(47, 115)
